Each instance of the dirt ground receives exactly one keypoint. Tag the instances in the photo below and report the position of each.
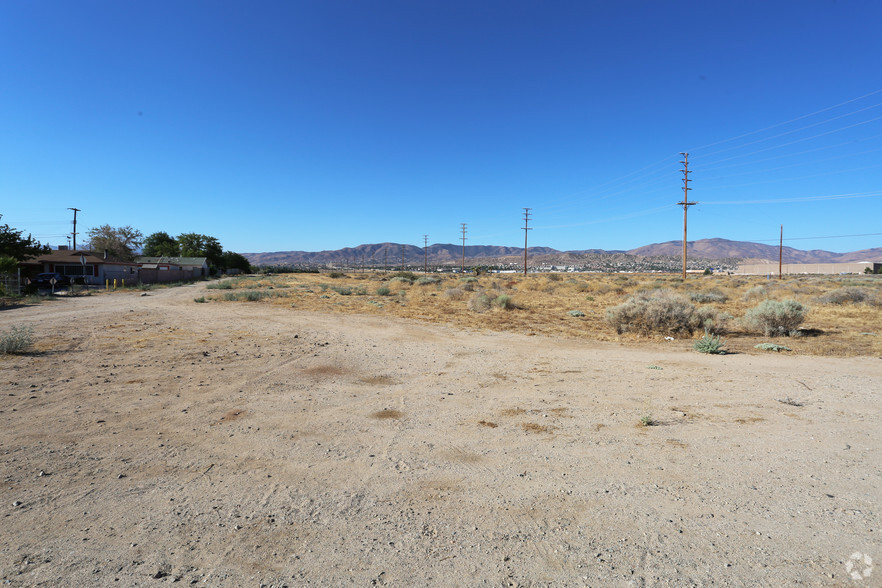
(152, 439)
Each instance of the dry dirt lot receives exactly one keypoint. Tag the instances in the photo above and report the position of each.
(150, 439)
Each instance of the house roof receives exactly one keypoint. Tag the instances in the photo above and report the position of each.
(173, 260)
(74, 256)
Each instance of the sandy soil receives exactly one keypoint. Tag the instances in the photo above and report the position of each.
(151, 439)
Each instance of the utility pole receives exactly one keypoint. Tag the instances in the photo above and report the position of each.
(686, 204)
(75, 210)
(526, 228)
(781, 255)
(425, 254)
(462, 267)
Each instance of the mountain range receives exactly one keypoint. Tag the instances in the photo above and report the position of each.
(451, 254)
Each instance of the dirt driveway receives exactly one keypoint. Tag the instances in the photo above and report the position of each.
(153, 439)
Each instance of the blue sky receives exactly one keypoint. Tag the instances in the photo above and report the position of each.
(293, 125)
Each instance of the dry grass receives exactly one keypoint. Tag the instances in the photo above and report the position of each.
(541, 304)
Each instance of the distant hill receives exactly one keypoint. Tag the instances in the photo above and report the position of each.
(723, 248)
(451, 254)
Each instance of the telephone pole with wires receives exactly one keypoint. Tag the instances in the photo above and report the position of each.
(686, 203)
(526, 228)
(425, 254)
(75, 211)
(462, 266)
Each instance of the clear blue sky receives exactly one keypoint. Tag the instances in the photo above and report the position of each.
(295, 125)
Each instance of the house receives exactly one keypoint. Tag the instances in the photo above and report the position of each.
(172, 269)
(86, 265)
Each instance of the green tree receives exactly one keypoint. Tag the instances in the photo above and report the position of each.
(161, 244)
(12, 244)
(120, 243)
(232, 260)
(196, 245)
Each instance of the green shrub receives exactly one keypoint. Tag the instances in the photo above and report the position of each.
(776, 317)
(342, 290)
(404, 276)
(659, 311)
(336, 275)
(18, 339)
(504, 302)
(468, 279)
(709, 344)
(383, 291)
(200, 299)
(575, 313)
(427, 280)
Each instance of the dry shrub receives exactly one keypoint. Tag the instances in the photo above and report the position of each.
(454, 293)
(776, 317)
(660, 311)
(711, 320)
(844, 295)
(480, 302)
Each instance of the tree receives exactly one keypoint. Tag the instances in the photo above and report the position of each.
(161, 244)
(196, 245)
(120, 243)
(232, 260)
(13, 245)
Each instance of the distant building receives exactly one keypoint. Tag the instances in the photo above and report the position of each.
(172, 269)
(762, 269)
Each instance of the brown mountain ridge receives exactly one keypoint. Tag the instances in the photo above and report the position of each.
(451, 254)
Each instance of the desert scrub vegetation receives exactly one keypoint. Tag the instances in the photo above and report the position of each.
(776, 317)
(18, 339)
(659, 311)
(846, 295)
(468, 301)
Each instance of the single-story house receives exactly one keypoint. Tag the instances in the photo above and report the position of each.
(91, 267)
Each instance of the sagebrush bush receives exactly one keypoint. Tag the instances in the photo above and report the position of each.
(776, 317)
(427, 280)
(659, 311)
(708, 296)
(454, 293)
(480, 302)
(755, 292)
(18, 339)
(711, 320)
(845, 294)
(383, 291)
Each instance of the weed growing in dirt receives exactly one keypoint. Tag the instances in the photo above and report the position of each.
(771, 347)
(647, 421)
(201, 299)
(18, 339)
(504, 302)
(709, 344)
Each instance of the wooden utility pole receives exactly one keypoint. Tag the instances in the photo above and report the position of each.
(75, 210)
(462, 266)
(686, 204)
(425, 254)
(526, 228)
(781, 255)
